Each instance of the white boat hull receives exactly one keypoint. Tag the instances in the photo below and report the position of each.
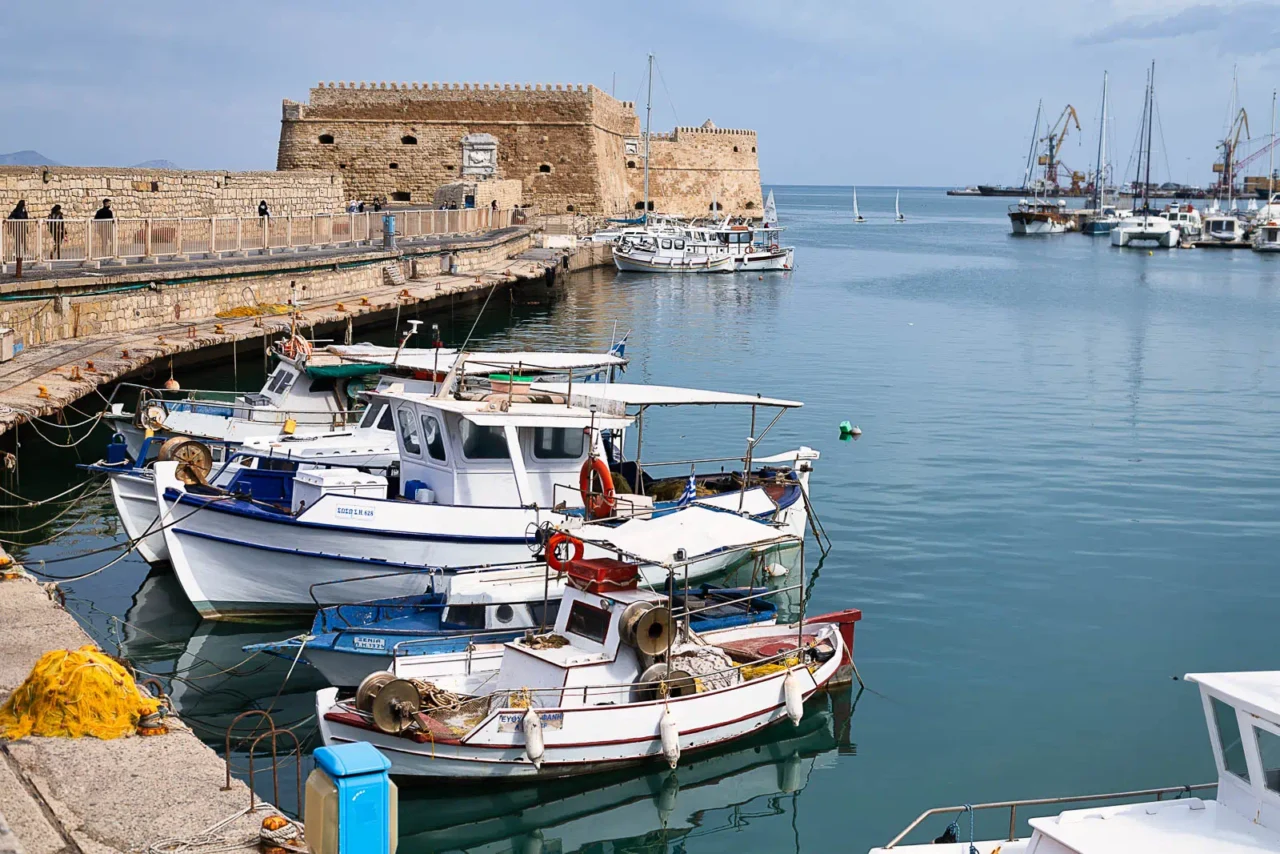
(584, 739)
(765, 260)
(233, 564)
(1036, 224)
(1149, 230)
(134, 495)
(644, 263)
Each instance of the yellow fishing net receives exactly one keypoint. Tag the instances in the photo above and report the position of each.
(254, 310)
(755, 671)
(73, 694)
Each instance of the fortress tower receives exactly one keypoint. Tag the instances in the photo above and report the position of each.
(572, 148)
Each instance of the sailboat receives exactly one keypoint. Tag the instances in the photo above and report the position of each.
(897, 211)
(770, 211)
(857, 217)
(1104, 216)
(1268, 237)
(1145, 225)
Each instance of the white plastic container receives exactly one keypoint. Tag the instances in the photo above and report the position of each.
(310, 486)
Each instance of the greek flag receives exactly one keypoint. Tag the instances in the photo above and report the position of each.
(690, 492)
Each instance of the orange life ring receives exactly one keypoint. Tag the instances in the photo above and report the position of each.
(773, 247)
(558, 538)
(602, 504)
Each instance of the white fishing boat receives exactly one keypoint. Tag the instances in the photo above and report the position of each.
(857, 217)
(1224, 229)
(616, 682)
(1038, 216)
(652, 254)
(753, 248)
(1242, 714)
(1186, 219)
(897, 208)
(480, 472)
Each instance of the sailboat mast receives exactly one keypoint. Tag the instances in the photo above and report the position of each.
(648, 116)
(1099, 181)
(1151, 120)
(1137, 177)
(1271, 154)
(1031, 153)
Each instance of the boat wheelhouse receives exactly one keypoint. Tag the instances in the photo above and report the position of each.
(1039, 216)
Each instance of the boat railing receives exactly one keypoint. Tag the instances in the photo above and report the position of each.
(1012, 806)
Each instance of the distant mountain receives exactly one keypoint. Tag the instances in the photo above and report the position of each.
(26, 158)
(156, 164)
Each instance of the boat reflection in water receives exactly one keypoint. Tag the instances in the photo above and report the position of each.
(202, 667)
(719, 790)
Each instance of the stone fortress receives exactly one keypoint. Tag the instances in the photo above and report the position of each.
(564, 149)
(567, 149)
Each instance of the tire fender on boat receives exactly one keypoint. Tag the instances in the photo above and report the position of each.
(793, 695)
(534, 747)
(670, 737)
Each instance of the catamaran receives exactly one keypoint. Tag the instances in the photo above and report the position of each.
(1143, 225)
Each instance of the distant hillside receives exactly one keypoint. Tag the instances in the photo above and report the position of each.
(156, 164)
(26, 158)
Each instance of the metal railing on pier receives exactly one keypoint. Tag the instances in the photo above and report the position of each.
(68, 242)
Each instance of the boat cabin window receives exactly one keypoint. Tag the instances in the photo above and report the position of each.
(434, 437)
(280, 380)
(590, 622)
(558, 443)
(544, 616)
(1269, 748)
(504, 613)
(464, 617)
(666, 244)
(408, 431)
(1229, 737)
(679, 244)
(483, 442)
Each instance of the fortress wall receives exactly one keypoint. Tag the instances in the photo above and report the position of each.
(166, 192)
(690, 165)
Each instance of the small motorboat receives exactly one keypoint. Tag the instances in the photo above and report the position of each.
(616, 682)
(1242, 713)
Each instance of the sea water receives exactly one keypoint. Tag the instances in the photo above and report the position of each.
(1064, 498)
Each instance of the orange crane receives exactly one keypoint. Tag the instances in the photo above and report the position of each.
(1053, 140)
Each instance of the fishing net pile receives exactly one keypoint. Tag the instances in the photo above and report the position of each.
(73, 694)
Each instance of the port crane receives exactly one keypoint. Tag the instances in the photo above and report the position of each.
(1053, 145)
(1228, 167)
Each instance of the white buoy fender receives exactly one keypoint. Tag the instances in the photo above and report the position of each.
(670, 737)
(793, 694)
(534, 747)
(775, 570)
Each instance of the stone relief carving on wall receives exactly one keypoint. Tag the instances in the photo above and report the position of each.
(480, 154)
(631, 147)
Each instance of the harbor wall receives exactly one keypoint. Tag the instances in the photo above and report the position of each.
(167, 192)
(63, 309)
(573, 148)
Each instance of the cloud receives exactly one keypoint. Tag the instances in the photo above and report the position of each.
(1244, 29)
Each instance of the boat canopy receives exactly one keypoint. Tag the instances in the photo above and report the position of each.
(615, 397)
(443, 359)
(342, 371)
(699, 531)
(516, 413)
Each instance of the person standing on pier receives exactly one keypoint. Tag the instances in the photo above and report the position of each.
(19, 232)
(263, 210)
(57, 230)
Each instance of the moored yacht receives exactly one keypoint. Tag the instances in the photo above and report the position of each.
(1186, 218)
(1039, 216)
(1224, 229)
(1143, 225)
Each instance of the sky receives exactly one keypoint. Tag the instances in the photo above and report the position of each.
(913, 92)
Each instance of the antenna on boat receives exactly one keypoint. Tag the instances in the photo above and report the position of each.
(409, 333)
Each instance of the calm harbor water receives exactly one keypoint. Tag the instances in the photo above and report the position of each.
(1065, 495)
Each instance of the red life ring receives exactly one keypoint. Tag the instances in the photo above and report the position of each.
(602, 504)
(773, 247)
(557, 539)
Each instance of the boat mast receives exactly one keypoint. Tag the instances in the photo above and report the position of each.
(1031, 153)
(1271, 154)
(648, 116)
(1100, 185)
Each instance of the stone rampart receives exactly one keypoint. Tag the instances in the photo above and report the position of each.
(167, 192)
(574, 148)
